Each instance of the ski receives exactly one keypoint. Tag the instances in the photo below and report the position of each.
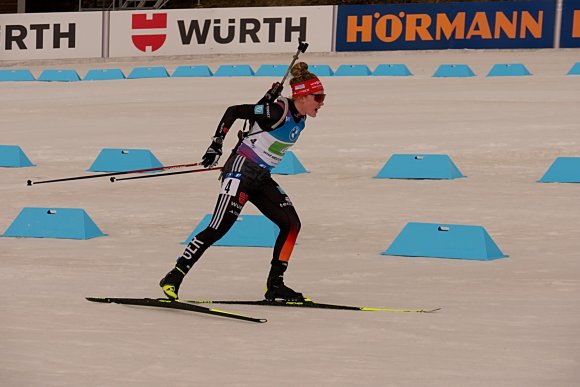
(308, 303)
(171, 304)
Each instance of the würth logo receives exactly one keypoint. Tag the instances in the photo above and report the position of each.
(145, 23)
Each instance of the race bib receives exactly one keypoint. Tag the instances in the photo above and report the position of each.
(231, 184)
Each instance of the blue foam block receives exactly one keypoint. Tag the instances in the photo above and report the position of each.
(62, 223)
(247, 231)
(290, 165)
(192, 71)
(104, 75)
(444, 241)
(414, 166)
(508, 70)
(269, 70)
(13, 156)
(122, 160)
(392, 70)
(454, 70)
(563, 170)
(575, 69)
(59, 76)
(321, 70)
(148, 72)
(352, 70)
(241, 70)
(15, 75)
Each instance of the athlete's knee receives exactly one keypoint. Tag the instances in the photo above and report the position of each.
(296, 225)
(290, 224)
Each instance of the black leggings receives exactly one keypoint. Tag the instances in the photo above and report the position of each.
(243, 181)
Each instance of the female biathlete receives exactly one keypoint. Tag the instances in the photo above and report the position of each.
(246, 176)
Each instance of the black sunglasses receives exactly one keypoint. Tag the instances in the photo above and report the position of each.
(319, 97)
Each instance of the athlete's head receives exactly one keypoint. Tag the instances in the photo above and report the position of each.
(307, 90)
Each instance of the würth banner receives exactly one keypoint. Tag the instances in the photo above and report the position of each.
(51, 35)
(219, 31)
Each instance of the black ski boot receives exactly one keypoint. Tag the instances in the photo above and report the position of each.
(276, 290)
(171, 282)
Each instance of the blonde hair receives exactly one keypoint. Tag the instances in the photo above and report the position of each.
(300, 73)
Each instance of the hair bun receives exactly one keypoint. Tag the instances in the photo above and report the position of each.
(299, 69)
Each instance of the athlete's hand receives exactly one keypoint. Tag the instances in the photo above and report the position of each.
(213, 153)
(274, 92)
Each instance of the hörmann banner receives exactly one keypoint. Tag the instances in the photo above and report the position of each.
(51, 35)
(570, 33)
(527, 24)
(219, 31)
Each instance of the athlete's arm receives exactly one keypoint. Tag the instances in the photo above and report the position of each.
(265, 115)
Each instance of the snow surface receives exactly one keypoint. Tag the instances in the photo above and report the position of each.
(509, 322)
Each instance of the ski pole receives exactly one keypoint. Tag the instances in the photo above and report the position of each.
(113, 179)
(30, 182)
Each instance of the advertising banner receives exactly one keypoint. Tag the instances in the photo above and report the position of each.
(528, 24)
(570, 33)
(51, 35)
(219, 31)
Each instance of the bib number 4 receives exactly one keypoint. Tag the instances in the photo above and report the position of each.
(230, 186)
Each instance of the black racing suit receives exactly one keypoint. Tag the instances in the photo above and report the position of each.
(246, 180)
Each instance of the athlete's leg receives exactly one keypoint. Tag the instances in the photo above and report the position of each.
(275, 204)
(230, 202)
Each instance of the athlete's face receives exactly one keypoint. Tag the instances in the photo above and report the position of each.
(311, 104)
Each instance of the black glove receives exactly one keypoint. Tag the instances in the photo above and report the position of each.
(213, 153)
(274, 92)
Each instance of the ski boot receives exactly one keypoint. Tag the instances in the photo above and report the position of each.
(171, 282)
(277, 290)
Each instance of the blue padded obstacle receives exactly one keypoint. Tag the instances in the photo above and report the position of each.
(321, 70)
(290, 165)
(575, 70)
(444, 241)
(13, 156)
(352, 70)
(563, 170)
(268, 70)
(59, 76)
(192, 71)
(508, 70)
(392, 70)
(454, 70)
(148, 72)
(241, 70)
(122, 160)
(65, 223)
(413, 166)
(104, 75)
(247, 231)
(15, 75)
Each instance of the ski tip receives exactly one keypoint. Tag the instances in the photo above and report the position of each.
(427, 310)
(99, 299)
